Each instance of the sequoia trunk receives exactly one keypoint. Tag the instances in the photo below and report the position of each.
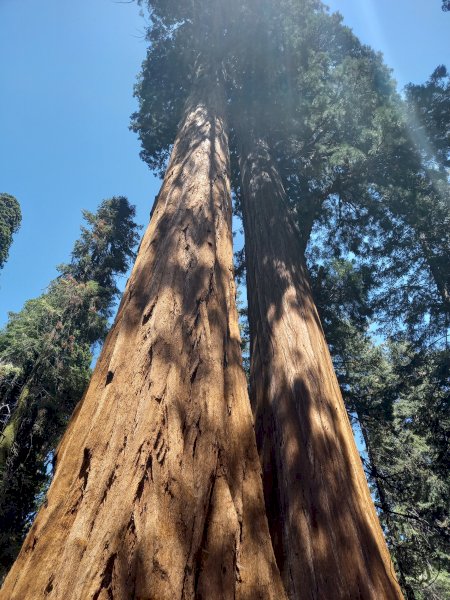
(326, 535)
(157, 492)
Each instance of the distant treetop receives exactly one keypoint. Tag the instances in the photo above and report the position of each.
(10, 219)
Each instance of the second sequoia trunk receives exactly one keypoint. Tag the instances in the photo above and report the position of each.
(326, 535)
(157, 492)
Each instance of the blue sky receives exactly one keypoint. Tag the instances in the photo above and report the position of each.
(67, 74)
(414, 35)
(67, 86)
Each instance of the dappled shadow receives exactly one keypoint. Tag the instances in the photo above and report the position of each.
(324, 528)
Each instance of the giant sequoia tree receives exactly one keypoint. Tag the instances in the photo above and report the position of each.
(319, 507)
(355, 169)
(157, 491)
(297, 518)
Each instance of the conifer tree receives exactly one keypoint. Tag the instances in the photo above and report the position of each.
(355, 168)
(245, 97)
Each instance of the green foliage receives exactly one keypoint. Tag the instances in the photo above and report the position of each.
(10, 219)
(429, 115)
(407, 466)
(328, 108)
(104, 249)
(45, 359)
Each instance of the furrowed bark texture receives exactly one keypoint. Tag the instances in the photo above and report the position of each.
(157, 492)
(326, 535)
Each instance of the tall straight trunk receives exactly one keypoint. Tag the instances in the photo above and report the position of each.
(326, 535)
(157, 492)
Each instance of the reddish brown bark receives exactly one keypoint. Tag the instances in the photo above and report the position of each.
(326, 535)
(157, 492)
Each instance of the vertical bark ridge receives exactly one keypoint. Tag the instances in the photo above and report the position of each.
(325, 531)
(157, 492)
